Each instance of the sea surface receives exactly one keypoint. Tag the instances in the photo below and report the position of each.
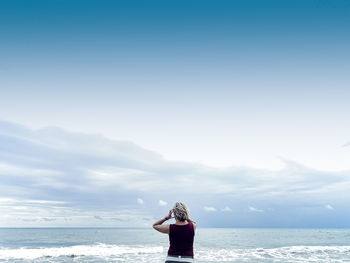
(146, 245)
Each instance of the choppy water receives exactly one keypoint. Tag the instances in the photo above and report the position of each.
(147, 245)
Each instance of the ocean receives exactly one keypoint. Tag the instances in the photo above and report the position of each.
(22, 245)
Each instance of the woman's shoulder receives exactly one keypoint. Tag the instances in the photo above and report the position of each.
(193, 225)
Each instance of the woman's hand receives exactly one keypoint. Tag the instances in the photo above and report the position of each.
(169, 216)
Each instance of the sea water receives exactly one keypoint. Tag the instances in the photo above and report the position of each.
(146, 245)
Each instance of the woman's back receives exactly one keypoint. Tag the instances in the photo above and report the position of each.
(181, 239)
(181, 234)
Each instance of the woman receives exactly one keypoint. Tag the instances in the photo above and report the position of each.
(181, 234)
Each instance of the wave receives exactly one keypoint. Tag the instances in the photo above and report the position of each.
(280, 254)
(98, 250)
(202, 254)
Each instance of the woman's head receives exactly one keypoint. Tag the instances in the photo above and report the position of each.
(181, 211)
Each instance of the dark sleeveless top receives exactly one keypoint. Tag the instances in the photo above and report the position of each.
(181, 240)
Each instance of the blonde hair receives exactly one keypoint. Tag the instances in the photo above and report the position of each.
(181, 211)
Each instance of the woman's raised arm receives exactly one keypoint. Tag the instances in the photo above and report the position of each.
(159, 224)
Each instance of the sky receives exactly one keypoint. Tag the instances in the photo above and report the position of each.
(110, 111)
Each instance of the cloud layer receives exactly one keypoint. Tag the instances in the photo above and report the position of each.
(62, 176)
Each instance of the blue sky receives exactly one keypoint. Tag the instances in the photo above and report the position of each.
(245, 102)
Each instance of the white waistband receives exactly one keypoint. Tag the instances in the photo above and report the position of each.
(179, 259)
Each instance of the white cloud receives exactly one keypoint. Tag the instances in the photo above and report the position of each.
(162, 203)
(226, 209)
(209, 209)
(329, 207)
(346, 144)
(48, 219)
(93, 163)
(53, 173)
(253, 209)
(29, 201)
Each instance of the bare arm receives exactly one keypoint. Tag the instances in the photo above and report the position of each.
(159, 224)
(194, 223)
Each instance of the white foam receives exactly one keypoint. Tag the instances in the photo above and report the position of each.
(281, 254)
(319, 254)
(98, 250)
